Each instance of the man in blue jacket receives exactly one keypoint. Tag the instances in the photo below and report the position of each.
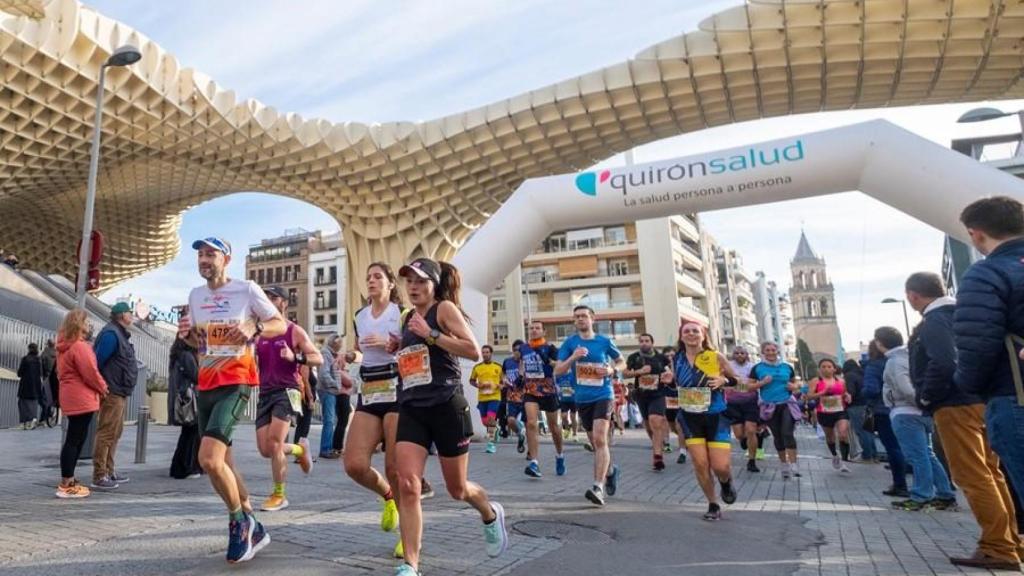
(990, 307)
(960, 422)
(115, 357)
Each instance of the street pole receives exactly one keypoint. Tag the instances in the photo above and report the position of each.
(906, 320)
(90, 197)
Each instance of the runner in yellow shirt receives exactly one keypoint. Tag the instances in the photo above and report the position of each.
(486, 378)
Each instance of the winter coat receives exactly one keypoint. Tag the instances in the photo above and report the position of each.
(932, 352)
(855, 386)
(81, 384)
(30, 377)
(898, 390)
(871, 391)
(990, 304)
(183, 371)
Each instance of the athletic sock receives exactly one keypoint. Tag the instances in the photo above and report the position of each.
(844, 449)
(534, 461)
(236, 515)
(832, 447)
(279, 489)
(599, 485)
(297, 450)
(390, 495)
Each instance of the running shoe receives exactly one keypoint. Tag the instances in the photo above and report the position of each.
(844, 468)
(714, 513)
(786, 473)
(910, 505)
(260, 537)
(897, 492)
(521, 446)
(495, 534)
(795, 473)
(240, 539)
(588, 446)
(274, 502)
(305, 461)
(399, 550)
(752, 466)
(667, 448)
(388, 515)
(560, 465)
(491, 448)
(944, 504)
(659, 463)
(611, 481)
(760, 453)
(682, 457)
(728, 492)
(105, 483)
(73, 490)
(118, 478)
(406, 570)
(533, 470)
(595, 495)
(426, 490)
(835, 462)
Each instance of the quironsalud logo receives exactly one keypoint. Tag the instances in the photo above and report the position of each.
(587, 182)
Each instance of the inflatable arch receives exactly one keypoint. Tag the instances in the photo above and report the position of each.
(897, 167)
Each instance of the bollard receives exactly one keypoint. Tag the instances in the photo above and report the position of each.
(141, 432)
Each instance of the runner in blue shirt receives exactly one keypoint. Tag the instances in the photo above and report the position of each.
(538, 364)
(592, 359)
(514, 394)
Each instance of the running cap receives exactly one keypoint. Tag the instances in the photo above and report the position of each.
(215, 243)
(424, 268)
(276, 291)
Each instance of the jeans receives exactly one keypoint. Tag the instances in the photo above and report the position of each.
(1005, 421)
(914, 433)
(328, 405)
(897, 464)
(868, 451)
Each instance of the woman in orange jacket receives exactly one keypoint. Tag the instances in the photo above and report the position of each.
(81, 387)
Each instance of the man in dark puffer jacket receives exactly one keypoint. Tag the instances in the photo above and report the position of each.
(990, 305)
(960, 422)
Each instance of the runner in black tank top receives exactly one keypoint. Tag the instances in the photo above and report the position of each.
(432, 408)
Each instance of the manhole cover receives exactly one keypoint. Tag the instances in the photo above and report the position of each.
(565, 531)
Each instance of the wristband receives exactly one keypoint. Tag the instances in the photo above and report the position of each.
(300, 357)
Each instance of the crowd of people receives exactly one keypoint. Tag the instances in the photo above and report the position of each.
(947, 405)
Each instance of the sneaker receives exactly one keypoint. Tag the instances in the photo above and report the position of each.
(260, 537)
(982, 560)
(305, 461)
(897, 492)
(118, 478)
(667, 448)
(240, 540)
(399, 551)
(495, 534)
(752, 466)
(844, 468)
(193, 476)
(760, 453)
(332, 455)
(611, 481)
(682, 458)
(521, 446)
(944, 504)
(595, 495)
(835, 462)
(406, 570)
(786, 474)
(491, 448)
(728, 493)
(274, 502)
(909, 505)
(388, 515)
(533, 470)
(588, 446)
(714, 513)
(659, 464)
(426, 490)
(105, 483)
(560, 465)
(73, 490)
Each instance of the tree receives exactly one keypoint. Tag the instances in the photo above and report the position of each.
(807, 367)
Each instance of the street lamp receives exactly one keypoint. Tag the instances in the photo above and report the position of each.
(906, 321)
(985, 114)
(124, 56)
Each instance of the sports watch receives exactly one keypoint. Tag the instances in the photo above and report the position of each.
(431, 338)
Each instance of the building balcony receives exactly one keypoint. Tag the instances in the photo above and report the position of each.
(687, 228)
(747, 316)
(325, 305)
(554, 282)
(689, 283)
(324, 328)
(691, 258)
(694, 314)
(602, 249)
(744, 293)
(325, 281)
(615, 311)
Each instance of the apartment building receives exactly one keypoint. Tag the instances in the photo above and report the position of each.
(774, 315)
(327, 282)
(737, 308)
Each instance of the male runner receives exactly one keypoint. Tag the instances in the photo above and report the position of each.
(743, 411)
(280, 359)
(567, 402)
(538, 362)
(587, 356)
(486, 378)
(514, 394)
(223, 320)
(648, 368)
(672, 409)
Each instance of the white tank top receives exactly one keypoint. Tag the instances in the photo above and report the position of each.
(387, 323)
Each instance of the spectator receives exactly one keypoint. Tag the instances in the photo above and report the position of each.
(960, 423)
(181, 391)
(30, 387)
(874, 368)
(987, 324)
(11, 260)
(309, 384)
(81, 386)
(332, 383)
(48, 358)
(913, 428)
(115, 356)
(853, 375)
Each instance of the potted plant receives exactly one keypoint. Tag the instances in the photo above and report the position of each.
(156, 394)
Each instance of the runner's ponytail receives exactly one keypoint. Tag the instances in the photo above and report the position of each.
(450, 286)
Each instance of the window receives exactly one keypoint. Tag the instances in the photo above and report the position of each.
(259, 276)
(334, 319)
(499, 333)
(596, 298)
(625, 328)
(556, 243)
(583, 239)
(333, 274)
(287, 274)
(563, 300)
(497, 304)
(319, 319)
(293, 317)
(252, 275)
(296, 271)
(622, 297)
(603, 327)
(618, 267)
(293, 297)
(277, 275)
(332, 298)
(563, 331)
(615, 235)
(319, 303)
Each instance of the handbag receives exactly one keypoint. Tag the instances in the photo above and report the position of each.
(869, 420)
(185, 409)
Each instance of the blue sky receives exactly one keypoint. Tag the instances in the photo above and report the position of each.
(375, 61)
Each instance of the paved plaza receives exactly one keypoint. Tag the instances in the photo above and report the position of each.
(823, 523)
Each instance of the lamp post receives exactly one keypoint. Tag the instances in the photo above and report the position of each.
(123, 56)
(906, 320)
(985, 114)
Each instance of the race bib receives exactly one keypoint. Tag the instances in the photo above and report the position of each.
(672, 402)
(380, 391)
(590, 373)
(414, 366)
(568, 392)
(217, 341)
(831, 404)
(649, 381)
(486, 388)
(695, 399)
(533, 367)
(295, 399)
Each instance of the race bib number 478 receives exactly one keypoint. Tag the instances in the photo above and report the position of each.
(218, 343)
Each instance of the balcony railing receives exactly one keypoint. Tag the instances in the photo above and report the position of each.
(325, 281)
(325, 328)
(595, 305)
(575, 246)
(325, 305)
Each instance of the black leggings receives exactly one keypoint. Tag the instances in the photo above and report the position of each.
(782, 425)
(344, 410)
(78, 428)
